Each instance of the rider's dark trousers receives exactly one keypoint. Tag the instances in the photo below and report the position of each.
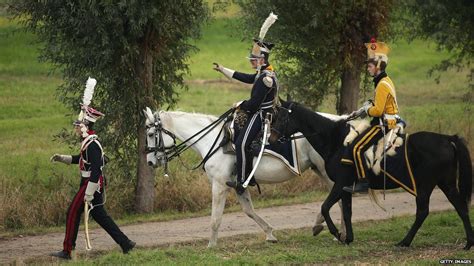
(355, 152)
(242, 146)
(99, 214)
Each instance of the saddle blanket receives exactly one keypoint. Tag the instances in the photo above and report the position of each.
(286, 152)
(398, 171)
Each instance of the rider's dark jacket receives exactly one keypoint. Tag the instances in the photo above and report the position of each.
(262, 95)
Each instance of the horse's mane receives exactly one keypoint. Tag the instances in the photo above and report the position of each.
(193, 115)
(319, 122)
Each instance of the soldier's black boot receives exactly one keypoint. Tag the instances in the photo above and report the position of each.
(362, 186)
(61, 254)
(128, 246)
(237, 186)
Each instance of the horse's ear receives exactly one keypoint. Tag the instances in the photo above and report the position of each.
(149, 115)
(288, 98)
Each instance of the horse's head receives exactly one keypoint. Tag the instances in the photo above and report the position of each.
(283, 125)
(159, 141)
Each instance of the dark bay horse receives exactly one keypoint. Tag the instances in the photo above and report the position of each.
(435, 160)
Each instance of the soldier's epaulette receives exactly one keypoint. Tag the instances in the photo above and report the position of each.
(268, 81)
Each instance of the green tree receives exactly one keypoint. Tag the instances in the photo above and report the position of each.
(135, 49)
(450, 24)
(320, 44)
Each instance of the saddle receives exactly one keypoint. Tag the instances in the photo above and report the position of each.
(286, 151)
(397, 165)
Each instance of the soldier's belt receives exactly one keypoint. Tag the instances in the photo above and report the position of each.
(85, 174)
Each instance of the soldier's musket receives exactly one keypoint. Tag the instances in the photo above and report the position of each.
(86, 225)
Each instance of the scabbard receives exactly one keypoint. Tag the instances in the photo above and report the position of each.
(86, 226)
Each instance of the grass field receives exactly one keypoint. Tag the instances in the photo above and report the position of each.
(440, 237)
(31, 115)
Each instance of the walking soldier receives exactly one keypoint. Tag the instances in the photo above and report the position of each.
(91, 160)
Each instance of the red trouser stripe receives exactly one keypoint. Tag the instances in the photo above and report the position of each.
(76, 205)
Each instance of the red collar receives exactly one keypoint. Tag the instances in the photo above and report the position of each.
(90, 132)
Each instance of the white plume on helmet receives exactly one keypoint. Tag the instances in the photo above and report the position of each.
(87, 114)
(260, 46)
(266, 25)
(89, 91)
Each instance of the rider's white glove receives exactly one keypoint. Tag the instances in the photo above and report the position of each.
(237, 104)
(90, 190)
(226, 71)
(367, 105)
(67, 159)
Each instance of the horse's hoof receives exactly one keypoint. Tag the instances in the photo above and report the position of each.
(317, 229)
(468, 245)
(402, 244)
(341, 238)
(272, 240)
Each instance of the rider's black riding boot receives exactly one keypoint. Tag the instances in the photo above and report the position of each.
(61, 254)
(362, 186)
(237, 186)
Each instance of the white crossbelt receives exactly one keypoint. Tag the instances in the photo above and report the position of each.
(387, 116)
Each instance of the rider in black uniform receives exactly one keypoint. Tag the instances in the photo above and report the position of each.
(262, 100)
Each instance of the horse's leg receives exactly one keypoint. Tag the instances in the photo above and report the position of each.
(347, 234)
(343, 227)
(219, 196)
(422, 211)
(318, 226)
(247, 206)
(332, 198)
(461, 207)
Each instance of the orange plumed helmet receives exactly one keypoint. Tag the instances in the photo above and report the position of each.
(377, 52)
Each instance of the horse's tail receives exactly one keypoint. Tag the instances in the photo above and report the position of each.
(465, 168)
(374, 198)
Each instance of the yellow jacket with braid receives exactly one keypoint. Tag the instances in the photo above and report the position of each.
(385, 101)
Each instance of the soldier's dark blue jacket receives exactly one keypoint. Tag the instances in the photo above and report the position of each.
(261, 96)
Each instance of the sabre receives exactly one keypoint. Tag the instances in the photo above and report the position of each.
(86, 225)
(265, 129)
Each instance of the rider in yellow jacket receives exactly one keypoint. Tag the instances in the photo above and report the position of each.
(384, 110)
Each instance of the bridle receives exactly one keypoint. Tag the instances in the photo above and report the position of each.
(159, 141)
(168, 153)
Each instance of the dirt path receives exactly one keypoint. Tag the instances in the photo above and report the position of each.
(157, 233)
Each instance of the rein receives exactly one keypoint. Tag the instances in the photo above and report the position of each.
(176, 150)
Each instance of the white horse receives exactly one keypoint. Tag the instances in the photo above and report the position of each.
(220, 166)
